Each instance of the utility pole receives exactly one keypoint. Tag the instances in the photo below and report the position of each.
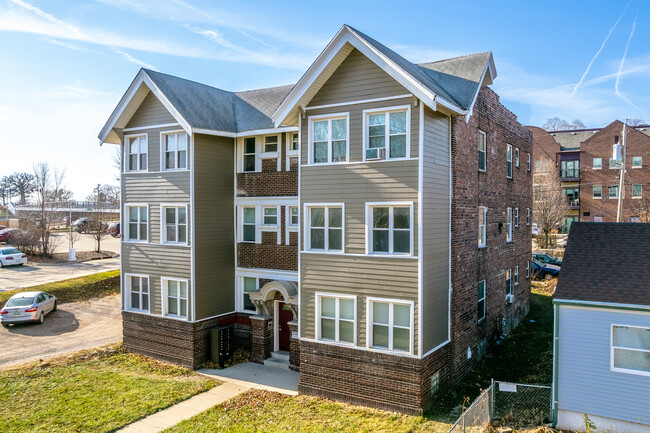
(621, 152)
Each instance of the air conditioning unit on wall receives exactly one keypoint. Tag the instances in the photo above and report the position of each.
(375, 153)
(510, 298)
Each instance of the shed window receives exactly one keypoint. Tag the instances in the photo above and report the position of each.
(631, 349)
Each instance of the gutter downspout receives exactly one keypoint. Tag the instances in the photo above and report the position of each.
(556, 351)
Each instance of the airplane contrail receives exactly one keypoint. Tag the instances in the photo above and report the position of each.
(620, 68)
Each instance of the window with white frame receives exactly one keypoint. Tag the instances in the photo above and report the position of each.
(175, 224)
(482, 151)
(387, 130)
(175, 151)
(271, 143)
(598, 191)
(508, 281)
(294, 216)
(249, 154)
(138, 229)
(527, 216)
(325, 228)
(137, 287)
(136, 152)
(517, 157)
(528, 162)
(270, 216)
(295, 143)
(613, 191)
(481, 301)
(509, 224)
(336, 318)
(516, 217)
(174, 297)
(509, 161)
(329, 140)
(527, 269)
(248, 223)
(637, 191)
(391, 327)
(630, 351)
(516, 275)
(482, 224)
(248, 284)
(391, 229)
(597, 163)
(637, 161)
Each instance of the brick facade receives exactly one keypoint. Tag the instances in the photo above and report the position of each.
(262, 338)
(494, 190)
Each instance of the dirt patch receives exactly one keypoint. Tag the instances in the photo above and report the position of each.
(544, 287)
(63, 257)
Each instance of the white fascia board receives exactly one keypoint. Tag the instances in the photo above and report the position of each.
(489, 67)
(142, 77)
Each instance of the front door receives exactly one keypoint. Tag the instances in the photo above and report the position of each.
(284, 333)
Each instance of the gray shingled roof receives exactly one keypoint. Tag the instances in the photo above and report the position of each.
(570, 140)
(207, 107)
(606, 262)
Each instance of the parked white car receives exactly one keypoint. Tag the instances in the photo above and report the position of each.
(30, 307)
(535, 229)
(11, 256)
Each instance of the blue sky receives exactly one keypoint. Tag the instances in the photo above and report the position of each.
(66, 64)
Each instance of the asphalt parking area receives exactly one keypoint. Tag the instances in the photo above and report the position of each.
(74, 326)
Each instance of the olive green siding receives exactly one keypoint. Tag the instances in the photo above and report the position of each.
(357, 78)
(150, 112)
(394, 278)
(214, 255)
(435, 230)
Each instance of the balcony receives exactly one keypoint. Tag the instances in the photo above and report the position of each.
(574, 203)
(570, 174)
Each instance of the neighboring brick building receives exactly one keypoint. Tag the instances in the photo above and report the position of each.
(369, 226)
(589, 180)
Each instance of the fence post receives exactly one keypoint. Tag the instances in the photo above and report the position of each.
(491, 399)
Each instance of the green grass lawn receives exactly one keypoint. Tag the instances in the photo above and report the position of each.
(75, 289)
(94, 391)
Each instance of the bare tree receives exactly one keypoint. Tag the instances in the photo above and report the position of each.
(47, 186)
(549, 204)
(634, 122)
(6, 190)
(105, 198)
(557, 124)
(641, 208)
(23, 183)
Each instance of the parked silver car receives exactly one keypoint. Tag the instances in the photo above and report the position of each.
(29, 307)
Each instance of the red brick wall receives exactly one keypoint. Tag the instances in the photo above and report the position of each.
(493, 189)
(544, 147)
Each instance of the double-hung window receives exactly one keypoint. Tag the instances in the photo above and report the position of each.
(527, 269)
(325, 228)
(249, 154)
(295, 144)
(528, 162)
(637, 191)
(630, 351)
(508, 281)
(613, 191)
(509, 224)
(294, 217)
(516, 217)
(482, 151)
(175, 297)
(175, 152)
(270, 216)
(138, 292)
(390, 232)
(387, 130)
(175, 224)
(248, 224)
(509, 161)
(637, 161)
(138, 229)
(137, 151)
(481, 301)
(527, 216)
(517, 157)
(482, 224)
(598, 191)
(336, 318)
(390, 325)
(329, 139)
(271, 143)
(597, 163)
(517, 275)
(249, 284)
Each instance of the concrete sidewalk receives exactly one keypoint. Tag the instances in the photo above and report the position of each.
(258, 376)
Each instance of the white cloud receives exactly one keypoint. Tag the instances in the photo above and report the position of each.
(132, 59)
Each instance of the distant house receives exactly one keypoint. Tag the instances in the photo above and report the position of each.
(602, 329)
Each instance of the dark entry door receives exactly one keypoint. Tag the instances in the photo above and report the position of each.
(284, 333)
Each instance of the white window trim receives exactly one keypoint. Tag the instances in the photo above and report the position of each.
(163, 288)
(240, 154)
(484, 229)
(163, 224)
(601, 192)
(509, 155)
(528, 161)
(637, 166)
(509, 224)
(240, 224)
(637, 197)
(239, 307)
(527, 216)
(484, 151)
(289, 228)
(291, 153)
(278, 216)
(516, 157)
(369, 227)
(369, 323)
(527, 269)
(162, 150)
(127, 301)
(516, 275)
(310, 145)
(125, 229)
(307, 227)
(516, 217)
(612, 347)
(484, 299)
(366, 138)
(615, 197)
(594, 167)
(125, 168)
(318, 296)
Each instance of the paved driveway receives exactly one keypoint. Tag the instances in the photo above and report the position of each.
(74, 326)
(17, 277)
(85, 242)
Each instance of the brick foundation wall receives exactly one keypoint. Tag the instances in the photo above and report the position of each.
(294, 348)
(471, 264)
(377, 380)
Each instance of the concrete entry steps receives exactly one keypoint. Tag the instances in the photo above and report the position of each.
(278, 360)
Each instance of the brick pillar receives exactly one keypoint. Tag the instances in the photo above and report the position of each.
(262, 336)
(294, 351)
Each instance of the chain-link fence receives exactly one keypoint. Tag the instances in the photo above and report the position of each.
(506, 404)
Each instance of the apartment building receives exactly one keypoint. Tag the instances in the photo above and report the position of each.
(370, 223)
(589, 175)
